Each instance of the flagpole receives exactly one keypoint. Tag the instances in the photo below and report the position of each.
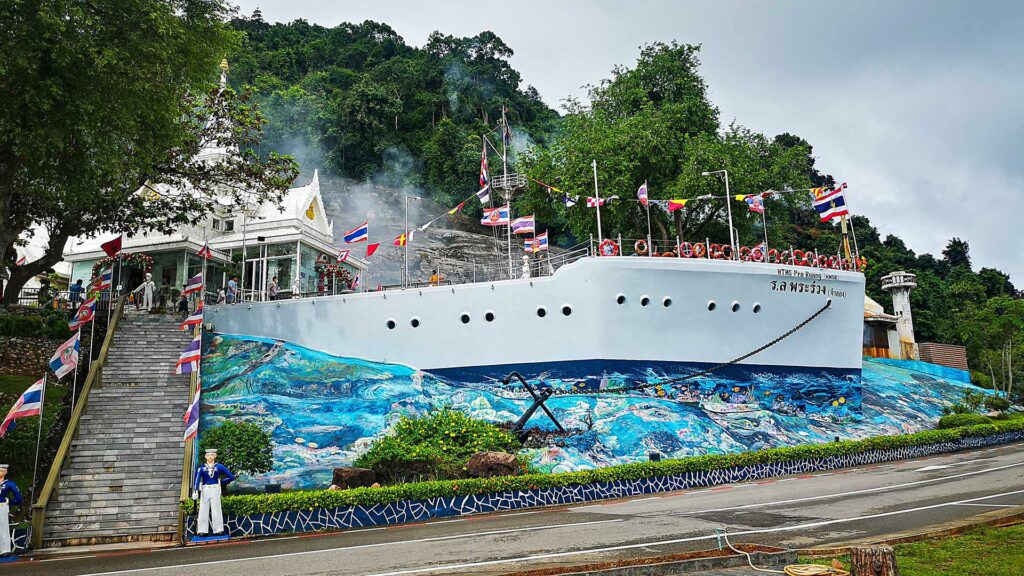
(846, 238)
(597, 197)
(74, 382)
(764, 226)
(647, 205)
(39, 434)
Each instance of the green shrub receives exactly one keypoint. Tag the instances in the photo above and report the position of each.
(996, 403)
(434, 447)
(311, 499)
(15, 325)
(243, 447)
(981, 380)
(960, 420)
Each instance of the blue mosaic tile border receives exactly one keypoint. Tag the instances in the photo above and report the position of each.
(419, 510)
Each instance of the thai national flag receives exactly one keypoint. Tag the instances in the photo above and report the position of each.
(484, 176)
(484, 194)
(358, 234)
(537, 244)
(86, 313)
(65, 359)
(524, 225)
(355, 282)
(193, 284)
(831, 205)
(103, 280)
(641, 193)
(495, 216)
(188, 362)
(754, 203)
(29, 404)
(195, 319)
(192, 417)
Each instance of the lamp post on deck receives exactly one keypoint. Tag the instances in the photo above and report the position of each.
(728, 206)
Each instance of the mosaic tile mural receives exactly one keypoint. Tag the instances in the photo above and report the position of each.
(323, 411)
(419, 510)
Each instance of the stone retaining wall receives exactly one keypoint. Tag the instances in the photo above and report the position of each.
(24, 355)
(419, 510)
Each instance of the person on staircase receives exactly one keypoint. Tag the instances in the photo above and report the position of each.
(9, 494)
(210, 478)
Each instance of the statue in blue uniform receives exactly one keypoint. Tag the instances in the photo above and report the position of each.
(207, 488)
(9, 494)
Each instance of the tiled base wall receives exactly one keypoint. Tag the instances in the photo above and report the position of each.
(21, 539)
(419, 510)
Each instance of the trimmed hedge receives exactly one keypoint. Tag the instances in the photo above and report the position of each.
(961, 420)
(243, 505)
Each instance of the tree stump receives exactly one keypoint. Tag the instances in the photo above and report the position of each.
(873, 561)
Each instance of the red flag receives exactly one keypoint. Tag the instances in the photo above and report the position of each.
(371, 248)
(205, 252)
(112, 247)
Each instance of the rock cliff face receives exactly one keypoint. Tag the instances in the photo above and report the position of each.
(457, 244)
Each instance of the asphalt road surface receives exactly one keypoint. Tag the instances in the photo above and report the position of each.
(793, 512)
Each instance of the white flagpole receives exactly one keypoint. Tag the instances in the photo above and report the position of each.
(647, 205)
(74, 382)
(597, 197)
(39, 434)
(764, 225)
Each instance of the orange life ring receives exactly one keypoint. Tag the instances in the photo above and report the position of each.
(608, 247)
(640, 247)
(686, 250)
(773, 256)
(726, 255)
(668, 255)
(699, 250)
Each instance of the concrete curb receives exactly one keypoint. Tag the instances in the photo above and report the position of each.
(654, 567)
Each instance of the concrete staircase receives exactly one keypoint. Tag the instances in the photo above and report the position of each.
(122, 480)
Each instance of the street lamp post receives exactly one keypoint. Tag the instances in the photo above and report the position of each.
(728, 207)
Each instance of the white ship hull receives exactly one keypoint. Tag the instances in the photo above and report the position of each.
(753, 304)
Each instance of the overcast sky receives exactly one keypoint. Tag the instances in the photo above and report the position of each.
(919, 106)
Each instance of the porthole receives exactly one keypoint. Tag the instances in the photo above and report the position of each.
(566, 310)
(620, 299)
(489, 316)
(735, 306)
(711, 306)
(465, 318)
(757, 307)
(415, 322)
(391, 324)
(644, 300)
(666, 301)
(542, 311)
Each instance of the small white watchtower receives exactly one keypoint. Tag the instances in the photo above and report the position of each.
(899, 284)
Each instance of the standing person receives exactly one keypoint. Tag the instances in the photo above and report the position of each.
(210, 478)
(232, 290)
(183, 302)
(222, 296)
(75, 294)
(9, 494)
(273, 289)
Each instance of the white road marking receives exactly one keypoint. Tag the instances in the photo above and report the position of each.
(989, 505)
(850, 493)
(950, 465)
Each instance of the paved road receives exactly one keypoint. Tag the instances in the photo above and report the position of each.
(794, 512)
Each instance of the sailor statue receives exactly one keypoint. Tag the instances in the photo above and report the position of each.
(207, 488)
(9, 494)
(526, 267)
(147, 290)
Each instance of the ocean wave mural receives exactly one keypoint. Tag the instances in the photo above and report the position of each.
(323, 411)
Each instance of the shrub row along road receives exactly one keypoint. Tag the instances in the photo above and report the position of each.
(799, 512)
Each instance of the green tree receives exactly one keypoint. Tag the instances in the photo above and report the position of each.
(97, 129)
(243, 447)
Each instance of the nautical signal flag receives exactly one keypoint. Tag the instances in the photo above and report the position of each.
(754, 203)
(193, 284)
(343, 255)
(495, 216)
(194, 319)
(400, 240)
(358, 234)
(484, 194)
(113, 247)
(65, 359)
(593, 202)
(188, 362)
(456, 209)
(679, 204)
(524, 225)
(641, 193)
(538, 244)
(192, 417)
(371, 248)
(205, 252)
(30, 403)
(86, 313)
(831, 205)
(570, 201)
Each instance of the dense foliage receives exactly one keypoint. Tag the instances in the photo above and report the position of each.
(47, 324)
(435, 447)
(959, 420)
(243, 447)
(309, 500)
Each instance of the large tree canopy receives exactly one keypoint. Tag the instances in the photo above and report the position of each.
(102, 98)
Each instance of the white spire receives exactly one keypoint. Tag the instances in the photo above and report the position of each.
(224, 72)
(314, 184)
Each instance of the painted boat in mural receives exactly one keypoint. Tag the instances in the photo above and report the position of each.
(589, 315)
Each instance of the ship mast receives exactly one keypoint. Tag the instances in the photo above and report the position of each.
(508, 183)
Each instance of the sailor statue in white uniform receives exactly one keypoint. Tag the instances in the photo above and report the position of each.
(146, 291)
(207, 488)
(9, 494)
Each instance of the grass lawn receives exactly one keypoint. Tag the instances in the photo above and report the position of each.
(982, 552)
(18, 447)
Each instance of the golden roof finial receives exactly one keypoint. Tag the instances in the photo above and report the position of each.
(224, 64)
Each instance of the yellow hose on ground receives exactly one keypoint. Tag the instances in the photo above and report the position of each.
(814, 570)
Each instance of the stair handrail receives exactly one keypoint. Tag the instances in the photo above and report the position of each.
(94, 377)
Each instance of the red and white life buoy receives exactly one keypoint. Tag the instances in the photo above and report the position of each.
(757, 255)
(745, 253)
(686, 250)
(699, 250)
(726, 252)
(773, 256)
(640, 247)
(608, 247)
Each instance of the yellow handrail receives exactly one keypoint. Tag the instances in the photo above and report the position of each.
(186, 468)
(95, 377)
